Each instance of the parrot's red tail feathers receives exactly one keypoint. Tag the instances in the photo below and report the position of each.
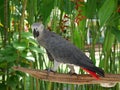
(91, 73)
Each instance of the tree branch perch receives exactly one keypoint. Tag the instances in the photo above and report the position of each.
(67, 78)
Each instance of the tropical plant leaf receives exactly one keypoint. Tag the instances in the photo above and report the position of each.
(13, 81)
(108, 41)
(33, 41)
(116, 32)
(7, 55)
(66, 6)
(3, 64)
(3, 86)
(44, 10)
(28, 56)
(36, 49)
(77, 38)
(106, 11)
(26, 35)
(2, 12)
(91, 8)
(20, 45)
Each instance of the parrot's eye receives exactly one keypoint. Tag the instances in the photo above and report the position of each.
(36, 29)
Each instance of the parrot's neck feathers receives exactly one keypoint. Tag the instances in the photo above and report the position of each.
(41, 27)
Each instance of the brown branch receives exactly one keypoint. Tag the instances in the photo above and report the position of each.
(70, 79)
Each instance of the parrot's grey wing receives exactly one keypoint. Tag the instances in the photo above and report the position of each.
(65, 51)
(49, 56)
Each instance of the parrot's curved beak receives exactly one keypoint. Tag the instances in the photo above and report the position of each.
(35, 33)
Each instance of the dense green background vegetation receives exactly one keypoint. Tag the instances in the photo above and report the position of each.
(93, 26)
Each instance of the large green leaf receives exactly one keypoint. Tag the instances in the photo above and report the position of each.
(76, 38)
(33, 41)
(27, 35)
(66, 6)
(45, 8)
(106, 11)
(20, 45)
(7, 54)
(28, 56)
(91, 8)
(109, 39)
(116, 32)
(32, 12)
(36, 49)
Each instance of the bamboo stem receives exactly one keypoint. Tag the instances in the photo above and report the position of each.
(5, 22)
(67, 78)
(22, 18)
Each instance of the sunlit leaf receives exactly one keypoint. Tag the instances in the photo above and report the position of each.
(36, 49)
(15, 36)
(33, 41)
(1, 25)
(27, 35)
(28, 56)
(19, 45)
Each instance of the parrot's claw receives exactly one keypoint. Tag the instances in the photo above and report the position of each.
(49, 70)
(72, 73)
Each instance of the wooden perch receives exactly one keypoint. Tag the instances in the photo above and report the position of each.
(67, 78)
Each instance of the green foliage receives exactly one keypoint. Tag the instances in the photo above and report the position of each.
(19, 52)
(44, 10)
(116, 32)
(2, 9)
(106, 10)
(70, 18)
(7, 54)
(66, 6)
(91, 7)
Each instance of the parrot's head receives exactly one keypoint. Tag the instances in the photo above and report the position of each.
(37, 28)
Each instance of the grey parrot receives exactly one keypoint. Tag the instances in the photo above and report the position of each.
(63, 51)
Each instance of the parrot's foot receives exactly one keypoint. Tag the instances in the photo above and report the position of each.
(72, 73)
(50, 70)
